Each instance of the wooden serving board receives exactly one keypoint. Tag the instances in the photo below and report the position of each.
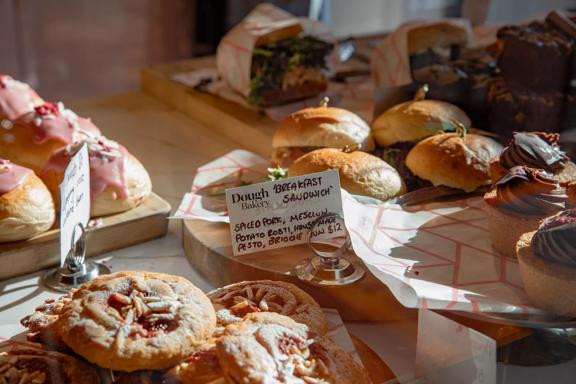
(246, 126)
(208, 248)
(145, 222)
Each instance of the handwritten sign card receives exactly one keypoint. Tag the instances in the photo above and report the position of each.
(278, 213)
(74, 200)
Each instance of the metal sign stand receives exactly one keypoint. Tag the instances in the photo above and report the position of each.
(76, 270)
(329, 268)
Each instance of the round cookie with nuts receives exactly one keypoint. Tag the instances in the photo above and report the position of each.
(235, 301)
(129, 321)
(271, 348)
(29, 365)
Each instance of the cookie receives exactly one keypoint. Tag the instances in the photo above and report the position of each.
(130, 321)
(42, 323)
(271, 348)
(201, 367)
(25, 365)
(235, 301)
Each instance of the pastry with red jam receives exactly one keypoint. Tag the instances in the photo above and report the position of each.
(118, 181)
(271, 348)
(26, 206)
(518, 203)
(201, 367)
(28, 365)
(235, 301)
(31, 139)
(547, 260)
(41, 324)
(130, 321)
(16, 99)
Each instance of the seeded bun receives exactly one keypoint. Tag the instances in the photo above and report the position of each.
(360, 172)
(450, 160)
(414, 120)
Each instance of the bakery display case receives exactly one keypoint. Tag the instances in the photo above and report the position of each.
(288, 200)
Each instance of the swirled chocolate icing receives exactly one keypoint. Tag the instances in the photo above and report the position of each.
(555, 240)
(530, 192)
(534, 149)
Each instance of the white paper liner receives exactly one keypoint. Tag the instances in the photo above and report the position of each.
(391, 60)
(435, 255)
(234, 60)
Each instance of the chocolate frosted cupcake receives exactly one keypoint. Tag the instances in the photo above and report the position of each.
(547, 259)
(535, 150)
(518, 203)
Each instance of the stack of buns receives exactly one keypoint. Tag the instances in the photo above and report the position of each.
(37, 141)
(154, 327)
(422, 143)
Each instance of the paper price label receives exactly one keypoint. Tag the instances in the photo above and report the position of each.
(279, 213)
(74, 200)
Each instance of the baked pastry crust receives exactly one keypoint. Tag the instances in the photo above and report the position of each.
(271, 348)
(201, 367)
(234, 302)
(41, 324)
(549, 285)
(37, 366)
(131, 321)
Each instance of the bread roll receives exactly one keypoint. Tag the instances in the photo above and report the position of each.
(451, 160)
(414, 120)
(31, 139)
(26, 206)
(118, 181)
(321, 127)
(16, 99)
(360, 172)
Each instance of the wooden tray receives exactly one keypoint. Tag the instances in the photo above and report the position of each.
(208, 248)
(246, 126)
(145, 222)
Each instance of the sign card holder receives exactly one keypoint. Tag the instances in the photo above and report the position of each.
(74, 270)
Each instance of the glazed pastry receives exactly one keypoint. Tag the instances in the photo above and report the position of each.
(31, 139)
(547, 260)
(535, 150)
(26, 206)
(118, 181)
(16, 99)
(235, 301)
(26, 365)
(518, 203)
(41, 324)
(130, 321)
(271, 348)
(201, 367)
